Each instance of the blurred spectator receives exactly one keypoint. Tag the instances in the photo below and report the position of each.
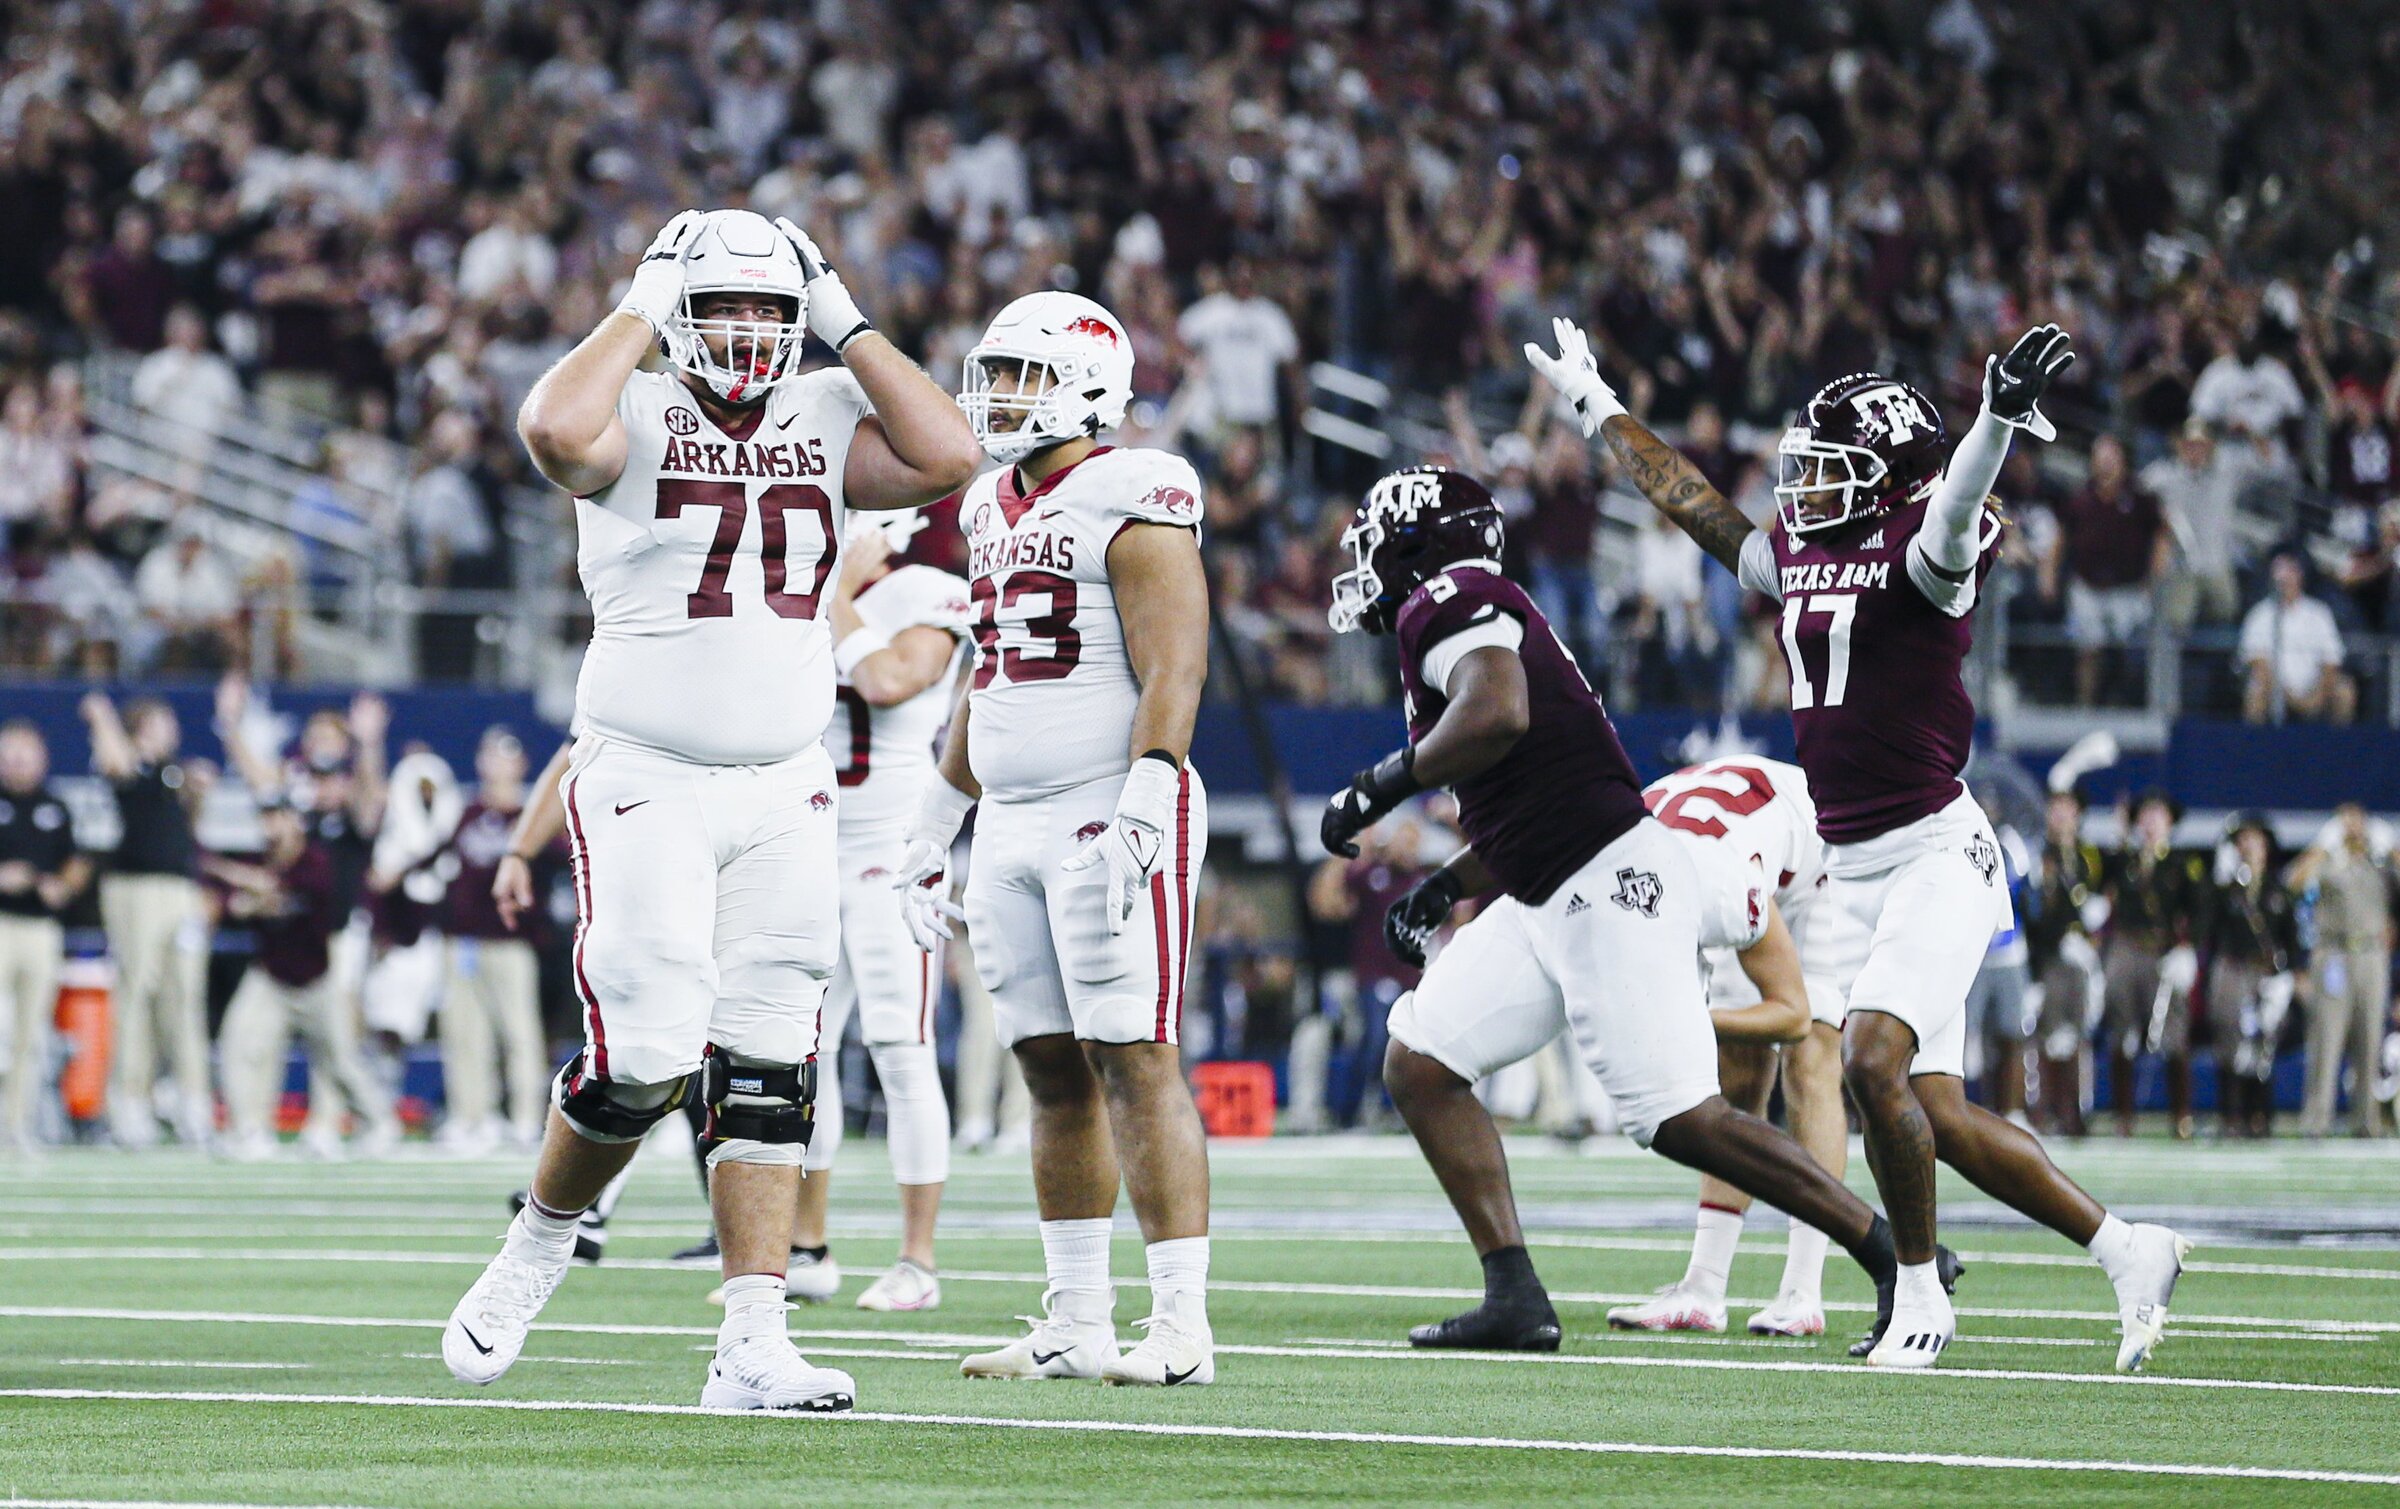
(1250, 348)
(451, 542)
(41, 871)
(2367, 575)
(1354, 894)
(2116, 544)
(2292, 654)
(2158, 897)
(37, 471)
(2350, 867)
(1666, 626)
(130, 285)
(1559, 539)
(2198, 489)
(2253, 945)
(508, 257)
(2250, 392)
(2064, 904)
(190, 597)
(93, 610)
(191, 387)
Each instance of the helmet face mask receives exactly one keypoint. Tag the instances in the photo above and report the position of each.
(741, 359)
(1821, 484)
(1413, 525)
(1052, 367)
(1862, 445)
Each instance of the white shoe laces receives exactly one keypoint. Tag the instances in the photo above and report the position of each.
(517, 1289)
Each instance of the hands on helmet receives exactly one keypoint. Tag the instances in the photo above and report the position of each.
(658, 278)
(833, 315)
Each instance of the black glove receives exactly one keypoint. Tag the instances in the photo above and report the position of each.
(2014, 384)
(1413, 920)
(1370, 794)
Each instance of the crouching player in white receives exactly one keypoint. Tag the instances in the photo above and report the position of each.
(897, 629)
(1752, 834)
(700, 801)
(1091, 644)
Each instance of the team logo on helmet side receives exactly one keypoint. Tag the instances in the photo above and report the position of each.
(1413, 525)
(1862, 445)
(1084, 324)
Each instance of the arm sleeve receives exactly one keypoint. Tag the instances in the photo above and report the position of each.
(1956, 531)
(1757, 565)
(1497, 630)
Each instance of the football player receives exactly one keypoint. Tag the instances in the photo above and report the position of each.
(1599, 926)
(709, 506)
(898, 631)
(1091, 644)
(1751, 831)
(1882, 540)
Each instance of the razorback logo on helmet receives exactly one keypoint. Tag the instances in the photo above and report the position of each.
(1890, 413)
(1090, 831)
(1084, 324)
(682, 421)
(820, 801)
(1172, 500)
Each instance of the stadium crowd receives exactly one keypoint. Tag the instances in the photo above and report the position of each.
(406, 218)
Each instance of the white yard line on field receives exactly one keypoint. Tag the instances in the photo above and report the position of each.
(1954, 1460)
(1351, 1352)
(180, 1362)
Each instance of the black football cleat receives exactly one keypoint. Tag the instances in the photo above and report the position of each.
(701, 1254)
(1946, 1266)
(591, 1231)
(1524, 1327)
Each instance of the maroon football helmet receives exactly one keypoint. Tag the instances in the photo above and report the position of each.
(1865, 444)
(1415, 524)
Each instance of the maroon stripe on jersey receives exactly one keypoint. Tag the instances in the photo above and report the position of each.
(583, 923)
(1183, 891)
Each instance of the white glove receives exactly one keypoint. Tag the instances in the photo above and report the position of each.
(1576, 376)
(833, 315)
(2179, 970)
(658, 277)
(924, 879)
(1134, 843)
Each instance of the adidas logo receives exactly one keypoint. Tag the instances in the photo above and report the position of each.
(1874, 541)
(1576, 904)
(1929, 1342)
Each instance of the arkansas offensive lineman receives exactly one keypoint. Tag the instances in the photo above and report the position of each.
(898, 628)
(700, 801)
(1877, 558)
(1091, 644)
(1599, 927)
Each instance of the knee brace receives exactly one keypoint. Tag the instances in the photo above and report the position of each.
(757, 1113)
(604, 1111)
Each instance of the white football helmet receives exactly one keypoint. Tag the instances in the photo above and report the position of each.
(739, 251)
(1065, 368)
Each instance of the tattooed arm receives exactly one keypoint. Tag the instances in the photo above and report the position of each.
(1670, 482)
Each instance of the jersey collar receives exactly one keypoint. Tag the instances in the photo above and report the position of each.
(1013, 503)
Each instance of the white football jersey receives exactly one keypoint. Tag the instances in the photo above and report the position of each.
(1053, 699)
(884, 753)
(1759, 808)
(706, 563)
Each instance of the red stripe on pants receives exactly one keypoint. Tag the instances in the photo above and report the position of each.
(583, 923)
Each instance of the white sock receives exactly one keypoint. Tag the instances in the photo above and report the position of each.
(2112, 1245)
(1075, 1256)
(916, 1118)
(754, 1305)
(1920, 1283)
(1804, 1262)
(1179, 1277)
(551, 1236)
(1712, 1252)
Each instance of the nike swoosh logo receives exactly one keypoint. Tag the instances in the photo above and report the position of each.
(474, 1340)
(625, 807)
(1044, 1359)
(785, 422)
(1174, 1378)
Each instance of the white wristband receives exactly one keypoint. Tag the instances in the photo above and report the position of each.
(940, 813)
(856, 646)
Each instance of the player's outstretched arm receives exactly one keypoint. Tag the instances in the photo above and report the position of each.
(569, 421)
(1954, 536)
(1773, 965)
(1672, 484)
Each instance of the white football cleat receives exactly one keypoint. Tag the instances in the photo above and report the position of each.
(1792, 1314)
(1676, 1308)
(1922, 1326)
(1060, 1345)
(487, 1330)
(812, 1280)
(768, 1372)
(906, 1287)
(2143, 1293)
(1172, 1352)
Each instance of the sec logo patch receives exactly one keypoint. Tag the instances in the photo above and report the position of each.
(682, 422)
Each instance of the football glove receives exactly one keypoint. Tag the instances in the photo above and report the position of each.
(1412, 921)
(1361, 804)
(833, 315)
(1576, 376)
(1133, 845)
(924, 878)
(658, 278)
(2014, 384)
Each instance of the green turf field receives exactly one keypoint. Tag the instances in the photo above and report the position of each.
(177, 1330)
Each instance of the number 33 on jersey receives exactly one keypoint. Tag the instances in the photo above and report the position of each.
(706, 562)
(1053, 693)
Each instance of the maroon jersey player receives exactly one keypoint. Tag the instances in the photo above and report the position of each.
(1882, 543)
(1597, 927)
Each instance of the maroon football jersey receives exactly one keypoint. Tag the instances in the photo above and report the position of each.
(1566, 791)
(1880, 710)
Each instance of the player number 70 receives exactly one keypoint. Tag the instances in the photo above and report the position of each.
(1842, 607)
